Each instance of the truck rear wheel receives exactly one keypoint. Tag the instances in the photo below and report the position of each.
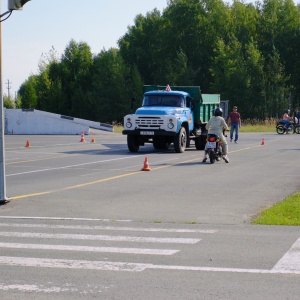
(203, 142)
(133, 143)
(198, 143)
(188, 141)
(180, 141)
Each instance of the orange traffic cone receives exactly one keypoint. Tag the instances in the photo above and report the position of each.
(82, 140)
(146, 165)
(27, 144)
(262, 141)
(93, 139)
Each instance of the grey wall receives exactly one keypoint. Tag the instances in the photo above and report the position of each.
(18, 121)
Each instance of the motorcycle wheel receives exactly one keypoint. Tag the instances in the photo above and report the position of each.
(212, 157)
(297, 129)
(280, 129)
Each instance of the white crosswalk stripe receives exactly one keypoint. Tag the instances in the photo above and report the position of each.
(100, 237)
(23, 238)
(289, 264)
(123, 228)
(46, 246)
(88, 249)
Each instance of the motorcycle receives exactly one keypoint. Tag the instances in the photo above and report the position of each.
(214, 147)
(281, 128)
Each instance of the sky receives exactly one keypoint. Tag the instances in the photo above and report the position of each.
(43, 24)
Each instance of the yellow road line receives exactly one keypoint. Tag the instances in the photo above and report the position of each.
(75, 186)
(112, 178)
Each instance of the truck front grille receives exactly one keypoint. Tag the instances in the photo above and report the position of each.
(149, 122)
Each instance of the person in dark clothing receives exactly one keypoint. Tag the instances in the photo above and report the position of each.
(235, 123)
(296, 116)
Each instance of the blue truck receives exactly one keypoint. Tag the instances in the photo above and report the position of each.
(170, 115)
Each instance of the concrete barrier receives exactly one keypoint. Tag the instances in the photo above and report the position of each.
(33, 121)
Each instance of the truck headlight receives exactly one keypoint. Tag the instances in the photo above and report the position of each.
(128, 123)
(170, 124)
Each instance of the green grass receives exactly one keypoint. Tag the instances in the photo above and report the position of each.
(118, 128)
(253, 125)
(286, 212)
(257, 128)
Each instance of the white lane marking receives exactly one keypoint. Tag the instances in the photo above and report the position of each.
(79, 165)
(34, 288)
(290, 260)
(121, 266)
(56, 218)
(101, 238)
(66, 287)
(111, 228)
(71, 166)
(231, 270)
(89, 249)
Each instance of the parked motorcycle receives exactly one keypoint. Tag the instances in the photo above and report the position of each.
(214, 147)
(281, 128)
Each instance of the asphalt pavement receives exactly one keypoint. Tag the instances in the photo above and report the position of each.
(85, 222)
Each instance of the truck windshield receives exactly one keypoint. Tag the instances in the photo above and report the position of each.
(163, 100)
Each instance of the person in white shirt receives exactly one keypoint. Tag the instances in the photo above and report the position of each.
(216, 125)
(287, 119)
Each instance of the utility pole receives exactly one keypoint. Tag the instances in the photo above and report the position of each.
(12, 5)
(8, 87)
(3, 198)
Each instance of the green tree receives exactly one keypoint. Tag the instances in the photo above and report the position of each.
(143, 44)
(256, 87)
(246, 52)
(18, 101)
(228, 71)
(278, 94)
(49, 84)
(8, 102)
(28, 92)
(279, 27)
(194, 28)
(114, 84)
(135, 89)
(244, 22)
(76, 64)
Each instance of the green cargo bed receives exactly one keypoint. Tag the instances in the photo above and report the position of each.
(205, 103)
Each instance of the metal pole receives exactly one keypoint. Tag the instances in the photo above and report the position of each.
(3, 198)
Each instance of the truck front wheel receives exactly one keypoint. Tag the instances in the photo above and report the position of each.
(180, 141)
(133, 143)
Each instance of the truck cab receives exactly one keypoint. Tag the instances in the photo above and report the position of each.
(168, 116)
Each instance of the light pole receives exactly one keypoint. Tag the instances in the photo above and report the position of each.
(12, 5)
(3, 198)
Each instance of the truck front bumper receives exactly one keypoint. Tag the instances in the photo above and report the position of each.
(148, 133)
